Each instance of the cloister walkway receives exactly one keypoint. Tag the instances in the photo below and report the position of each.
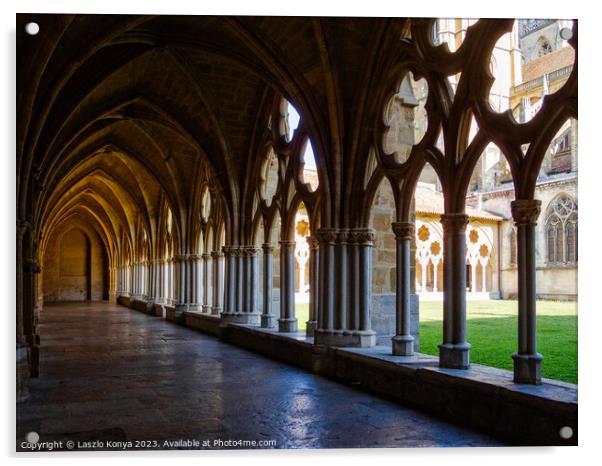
(110, 373)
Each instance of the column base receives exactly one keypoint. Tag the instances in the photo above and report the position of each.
(216, 311)
(349, 338)
(287, 325)
(240, 318)
(195, 308)
(403, 345)
(268, 321)
(310, 327)
(206, 308)
(454, 355)
(527, 368)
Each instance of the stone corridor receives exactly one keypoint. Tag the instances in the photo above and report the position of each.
(111, 373)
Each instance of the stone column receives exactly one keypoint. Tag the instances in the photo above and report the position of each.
(207, 273)
(365, 239)
(454, 352)
(247, 281)
(341, 306)
(160, 281)
(230, 272)
(195, 283)
(253, 257)
(403, 341)
(527, 361)
(314, 268)
(240, 274)
(287, 321)
(327, 238)
(218, 282)
(345, 259)
(268, 319)
(180, 283)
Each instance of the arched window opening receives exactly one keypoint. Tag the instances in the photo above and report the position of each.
(561, 230)
(289, 120)
(309, 173)
(205, 204)
(269, 176)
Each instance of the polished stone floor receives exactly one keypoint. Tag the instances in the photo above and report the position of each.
(111, 373)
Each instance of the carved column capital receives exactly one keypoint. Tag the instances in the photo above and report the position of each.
(313, 242)
(206, 256)
(454, 222)
(403, 230)
(327, 235)
(343, 236)
(217, 254)
(525, 211)
(268, 248)
(362, 236)
(180, 257)
(287, 245)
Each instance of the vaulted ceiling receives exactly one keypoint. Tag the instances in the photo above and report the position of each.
(117, 114)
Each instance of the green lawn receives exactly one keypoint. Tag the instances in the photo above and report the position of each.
(302, 312)
(492, 332)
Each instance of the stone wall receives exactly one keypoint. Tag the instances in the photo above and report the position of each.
(74, 265)
(554, 281)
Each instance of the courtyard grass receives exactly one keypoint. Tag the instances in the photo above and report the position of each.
(492, 332)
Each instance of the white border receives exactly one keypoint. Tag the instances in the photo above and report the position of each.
(590, 197)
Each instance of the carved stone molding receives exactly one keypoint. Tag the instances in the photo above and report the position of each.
(313, 242)
(454, 222)
(362, 236)
(268, 248)
(287, 245)
(403, 230)
(525, 211)
(217, 254)
(327, 235)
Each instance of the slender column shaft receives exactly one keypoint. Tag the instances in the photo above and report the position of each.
(218, 281)
(247, 278)
(327, 238)
(254, 264)
(227, 273)
(287, 321)
(527, 361)
(454, 352)
(314, 268)
(365, 239)
(232, 280)
(341, 303)
(240, 304)
(403, 341)
(208, 291)
(267, 318)
(483, 278)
